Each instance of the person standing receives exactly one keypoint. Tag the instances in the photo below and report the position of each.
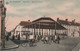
(43, 40)
(58, 39)
(55, 38)
(7, 37)
(13, 37)
(47, 39)
(19, 37)
(31, 38)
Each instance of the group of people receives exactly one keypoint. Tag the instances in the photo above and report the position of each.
(48, 39)
(45, 39)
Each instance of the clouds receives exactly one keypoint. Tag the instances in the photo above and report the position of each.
(10, 9)
(65, 6)
(11, 22)
(75, 12)
(43, 8)
(53, 8)
(25, 10)
(34, 6)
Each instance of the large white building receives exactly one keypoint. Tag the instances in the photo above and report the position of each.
(73, 28)
(42, 26)
(47, 26)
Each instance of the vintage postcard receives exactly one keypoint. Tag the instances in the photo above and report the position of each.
(39, 25)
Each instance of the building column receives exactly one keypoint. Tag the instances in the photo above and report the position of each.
(55, 28)
(39, 28)
(20, 30)
(34, 28)
(52, 32)
(42, 32)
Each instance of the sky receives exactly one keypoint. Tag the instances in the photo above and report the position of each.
(24, 10)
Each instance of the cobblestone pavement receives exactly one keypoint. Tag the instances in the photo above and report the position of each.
(65, 45)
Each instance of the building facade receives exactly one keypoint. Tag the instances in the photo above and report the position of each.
(20, 30)
(48, 26)
(42, 26)
(73, 28)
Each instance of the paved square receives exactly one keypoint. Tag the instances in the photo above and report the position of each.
(67, 44)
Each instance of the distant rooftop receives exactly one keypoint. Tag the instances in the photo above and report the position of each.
(66, 22)
(44, 19)
(24, 23)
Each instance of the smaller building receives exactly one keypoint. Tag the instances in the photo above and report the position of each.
(20, 30)
(73, 28)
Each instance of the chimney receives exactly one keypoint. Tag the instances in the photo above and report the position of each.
(57, 19)
(28, 20)
(66, 19)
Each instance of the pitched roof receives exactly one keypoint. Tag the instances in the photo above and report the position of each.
(45, 23)
(24, 23)
(68, 22)
(44, 19)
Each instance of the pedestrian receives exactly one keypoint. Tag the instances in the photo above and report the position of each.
(55, 38)
(13, 37)
(7, 37)
(52, 38)
(19, 37)
(37, 38)
(16, 36)
(46, 39)
(31, 38)
(43, 40)
(58, 39)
